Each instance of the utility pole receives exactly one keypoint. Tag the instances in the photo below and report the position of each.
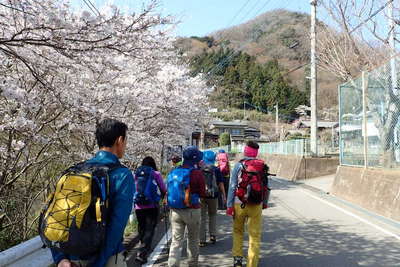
(277, 119)
(313, 95)
(244, 110)
(392, 43)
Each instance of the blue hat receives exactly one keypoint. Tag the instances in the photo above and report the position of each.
(192, 155)
(209, 157)
(221, 151)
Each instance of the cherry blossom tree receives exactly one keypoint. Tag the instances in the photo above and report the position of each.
(61, 72)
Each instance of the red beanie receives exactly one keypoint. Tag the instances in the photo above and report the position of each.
(250, 152)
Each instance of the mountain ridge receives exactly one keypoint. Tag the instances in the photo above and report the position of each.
(279, 34)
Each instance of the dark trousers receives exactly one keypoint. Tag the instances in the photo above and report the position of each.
(147, 221)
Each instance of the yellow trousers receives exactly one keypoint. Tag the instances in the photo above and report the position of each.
(253, 214)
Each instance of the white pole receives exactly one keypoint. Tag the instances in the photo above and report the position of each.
(277, 119)
(244, 110)
(313, 95)
(365, 119)
(392, 43)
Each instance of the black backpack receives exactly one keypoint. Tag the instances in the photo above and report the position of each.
(74, 218)
(210, 181)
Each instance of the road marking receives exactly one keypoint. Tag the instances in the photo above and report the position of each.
(158, 249)
(346, 212)
(353, 215)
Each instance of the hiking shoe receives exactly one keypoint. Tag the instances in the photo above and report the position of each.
(213, 239)
(202, 244)
(237, 261)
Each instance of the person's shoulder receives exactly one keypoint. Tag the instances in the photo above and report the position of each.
(157, 173)
(123, 171)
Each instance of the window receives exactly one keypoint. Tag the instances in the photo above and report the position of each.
(236, 132)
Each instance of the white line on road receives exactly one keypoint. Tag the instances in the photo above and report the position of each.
(353, 215)
(346, 212)
(158, 249)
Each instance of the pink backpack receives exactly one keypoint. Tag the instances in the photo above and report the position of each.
(223, 163)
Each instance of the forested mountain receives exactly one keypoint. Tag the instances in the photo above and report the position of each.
(278, 41)
(240, 81)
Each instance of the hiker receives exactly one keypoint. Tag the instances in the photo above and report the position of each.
(176, 161)
(150, 189)
(223, 165)
(185, 188)
(111, 138)
(247, 196)
(214, 182)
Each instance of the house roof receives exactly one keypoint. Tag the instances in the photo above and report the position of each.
(251, 129)
(229, 123)
(321, 124)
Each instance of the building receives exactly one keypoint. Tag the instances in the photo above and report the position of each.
(239, 131)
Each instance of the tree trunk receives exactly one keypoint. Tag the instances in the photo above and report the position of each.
(387, 138)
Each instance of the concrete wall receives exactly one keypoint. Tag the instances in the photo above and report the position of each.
(299, 168)
(377, 190)
(27, 254)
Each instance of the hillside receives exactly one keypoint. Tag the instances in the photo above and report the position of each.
(280, 35)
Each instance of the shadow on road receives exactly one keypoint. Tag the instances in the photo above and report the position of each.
(301, 241)
(319, 243)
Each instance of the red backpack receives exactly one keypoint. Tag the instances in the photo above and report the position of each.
(253, 183)
(223, 163)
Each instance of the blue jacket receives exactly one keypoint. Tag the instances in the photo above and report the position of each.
(121, 199)
(233, 184)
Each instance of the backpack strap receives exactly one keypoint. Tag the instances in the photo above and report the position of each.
(110, 167)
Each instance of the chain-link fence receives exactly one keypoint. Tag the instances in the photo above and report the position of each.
(369, 118)
(297, 147)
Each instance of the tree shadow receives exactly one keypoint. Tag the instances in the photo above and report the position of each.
(288, 242)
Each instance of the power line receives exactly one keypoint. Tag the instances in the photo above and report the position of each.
(238, 12)
(260, 9)
(227, 59)
(95, 8)
(16, 9)
(92, 7)
(254, 6)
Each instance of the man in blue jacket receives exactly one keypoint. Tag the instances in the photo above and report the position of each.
(111, 139)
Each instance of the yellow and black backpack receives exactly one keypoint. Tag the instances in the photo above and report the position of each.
(73, 220)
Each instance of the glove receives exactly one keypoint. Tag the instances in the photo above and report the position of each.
(264, 206)
(230, 211)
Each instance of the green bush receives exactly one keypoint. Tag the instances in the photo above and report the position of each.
(224, 139)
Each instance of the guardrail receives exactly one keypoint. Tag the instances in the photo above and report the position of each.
(27, 254)
(31, 254)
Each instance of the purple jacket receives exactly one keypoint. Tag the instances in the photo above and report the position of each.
(161, 186)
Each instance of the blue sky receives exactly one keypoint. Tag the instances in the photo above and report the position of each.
(200, 17)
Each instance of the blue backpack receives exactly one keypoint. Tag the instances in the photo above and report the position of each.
(146, 187)
(179, 196)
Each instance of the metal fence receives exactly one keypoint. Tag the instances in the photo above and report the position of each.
(297, 147)
(369, 118)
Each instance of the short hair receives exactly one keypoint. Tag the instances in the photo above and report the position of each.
(108, 131)
(252, 144)
(150, 162)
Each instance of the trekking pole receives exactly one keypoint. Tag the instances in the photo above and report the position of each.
(166, 224)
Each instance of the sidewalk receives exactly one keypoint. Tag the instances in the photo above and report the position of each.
(322, 183)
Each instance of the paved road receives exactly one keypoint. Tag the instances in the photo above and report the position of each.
(309, 228)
